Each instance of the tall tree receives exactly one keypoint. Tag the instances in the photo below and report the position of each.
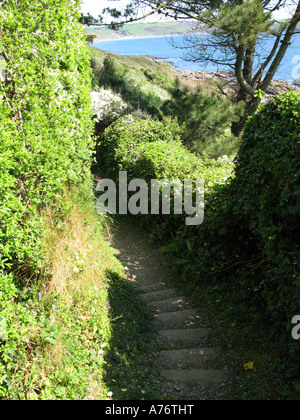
(237, 30)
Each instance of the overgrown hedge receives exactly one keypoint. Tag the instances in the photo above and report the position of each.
(149, 149)
(152, 149)
(247, 250)
(118, 145)
(46, 143)
(268, 192)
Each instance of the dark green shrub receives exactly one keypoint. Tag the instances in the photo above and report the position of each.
(247, 250)
(267, 169)
(110, 76)
(268, 192)
(262, 200)
(123, 137)
(205, 119)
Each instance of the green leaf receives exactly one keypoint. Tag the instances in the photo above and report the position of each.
(2, 328)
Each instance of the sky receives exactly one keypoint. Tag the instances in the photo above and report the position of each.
(95, 7)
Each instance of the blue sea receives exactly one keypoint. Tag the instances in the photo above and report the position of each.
(161, 48)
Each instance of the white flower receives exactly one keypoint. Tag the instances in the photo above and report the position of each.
(107, 106)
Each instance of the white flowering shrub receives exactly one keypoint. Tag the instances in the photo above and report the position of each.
(107, 106)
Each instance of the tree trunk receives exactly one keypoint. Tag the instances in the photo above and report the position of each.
(250, 109)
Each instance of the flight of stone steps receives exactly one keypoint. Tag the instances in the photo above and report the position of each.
(186, 364)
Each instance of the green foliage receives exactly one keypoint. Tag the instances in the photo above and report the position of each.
(205, 120)
(159, 160)
(45, 131)
(45, 110)
(246, 253)
(142, 82)
(152, 149)
(58, 328)
(120, 140)
(268, 168)
(146, 85)
(240, 19)
(268, 180)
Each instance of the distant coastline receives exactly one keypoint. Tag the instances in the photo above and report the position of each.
(124, 37)
(144, 30)
(157, 45)
(128, 37)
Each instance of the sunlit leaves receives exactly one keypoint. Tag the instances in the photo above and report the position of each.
(45, 132)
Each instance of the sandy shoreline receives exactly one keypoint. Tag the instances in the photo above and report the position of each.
(120, 38)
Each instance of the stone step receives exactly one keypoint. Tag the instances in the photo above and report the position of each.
(195, 377)
(153, 287)
(158, 295)
(183, 338)
(185, 318)
(187, 358)
(173, 304)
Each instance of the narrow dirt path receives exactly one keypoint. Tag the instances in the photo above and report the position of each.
(185, 362)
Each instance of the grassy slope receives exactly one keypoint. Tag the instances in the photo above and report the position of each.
(142, 81)
(82, 307)
(161, 71)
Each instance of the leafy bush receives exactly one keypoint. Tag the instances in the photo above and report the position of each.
(170, 160)
(267, 182)
(247, 250)
(151, 149)
(46, 144)
(158, 160)
(45, 114)
(123, 136)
